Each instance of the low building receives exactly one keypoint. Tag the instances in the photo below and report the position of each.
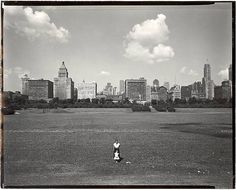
(87, 90)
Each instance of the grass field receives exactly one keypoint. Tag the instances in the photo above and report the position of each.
(74, 147)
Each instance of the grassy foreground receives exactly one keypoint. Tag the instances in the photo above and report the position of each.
(74, 147)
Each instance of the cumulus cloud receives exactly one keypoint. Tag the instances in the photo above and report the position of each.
(105, 73)
(223, 74)
(186, 71)
(145, 42)
(192, 73)
(33, 24)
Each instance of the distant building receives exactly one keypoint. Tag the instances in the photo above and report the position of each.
(108, 90)
(167, 85)
(162, 93)
(226, 89)
(63, 85)
(207, 83)
(218, 93)
(75, 93)
(135, 89)
(87, 90)
(154, 96)
(148, 93)
(175, 92)
(114, 91)
(25, 84)
(207, 72)
(40, 89)
(37, 89)
(156, 83)
(230, 72)
(186, 92)
(122, 86)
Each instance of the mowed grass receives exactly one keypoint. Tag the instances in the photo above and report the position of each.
(74, 147)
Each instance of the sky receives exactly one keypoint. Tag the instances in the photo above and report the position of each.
(112, 43)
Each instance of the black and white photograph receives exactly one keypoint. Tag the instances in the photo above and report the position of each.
(117, 94)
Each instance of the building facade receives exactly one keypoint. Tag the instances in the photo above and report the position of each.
(63, 85)
(175, 92)
(148, 93)
(87, 90)
(207, 83)
(230, 72)
(226, 89)
(135, 89)
(186, 92)
(37, 89)
(162, 93)
(122, 87)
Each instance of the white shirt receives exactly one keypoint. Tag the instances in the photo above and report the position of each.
(116, 145)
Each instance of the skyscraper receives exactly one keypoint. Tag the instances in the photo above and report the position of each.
(135, 89)
(230, 72)
(63, 85)
(207, 83)
(207, 71)
(122, 86)
(156, 83)
(25, 84)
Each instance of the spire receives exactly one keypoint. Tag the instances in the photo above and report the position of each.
(63, 65)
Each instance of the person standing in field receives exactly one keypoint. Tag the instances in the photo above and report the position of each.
(116, 146)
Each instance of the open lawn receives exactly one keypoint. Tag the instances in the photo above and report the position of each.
(74, 147)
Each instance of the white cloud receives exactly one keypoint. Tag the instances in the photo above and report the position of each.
(33, 24)
(145, 42)
(224, 74)
(183, 70)
(192, 73)
(105, 73)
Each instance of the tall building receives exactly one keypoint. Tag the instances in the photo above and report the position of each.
(122, 86)
(162, 93)
(175, 92)
(87, 90)
(218, 94)
(230, 72)
(114, 91)
(25, 83)
(75, 93)
(148, 93)
(207, 83)
(108, 90)
(226, 89)
(63, 85)
(186, 92)
(37, 89)
(207, 71)
(135, 89)
(167, 85)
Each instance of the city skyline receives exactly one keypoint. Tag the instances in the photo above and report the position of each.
(109, 44)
